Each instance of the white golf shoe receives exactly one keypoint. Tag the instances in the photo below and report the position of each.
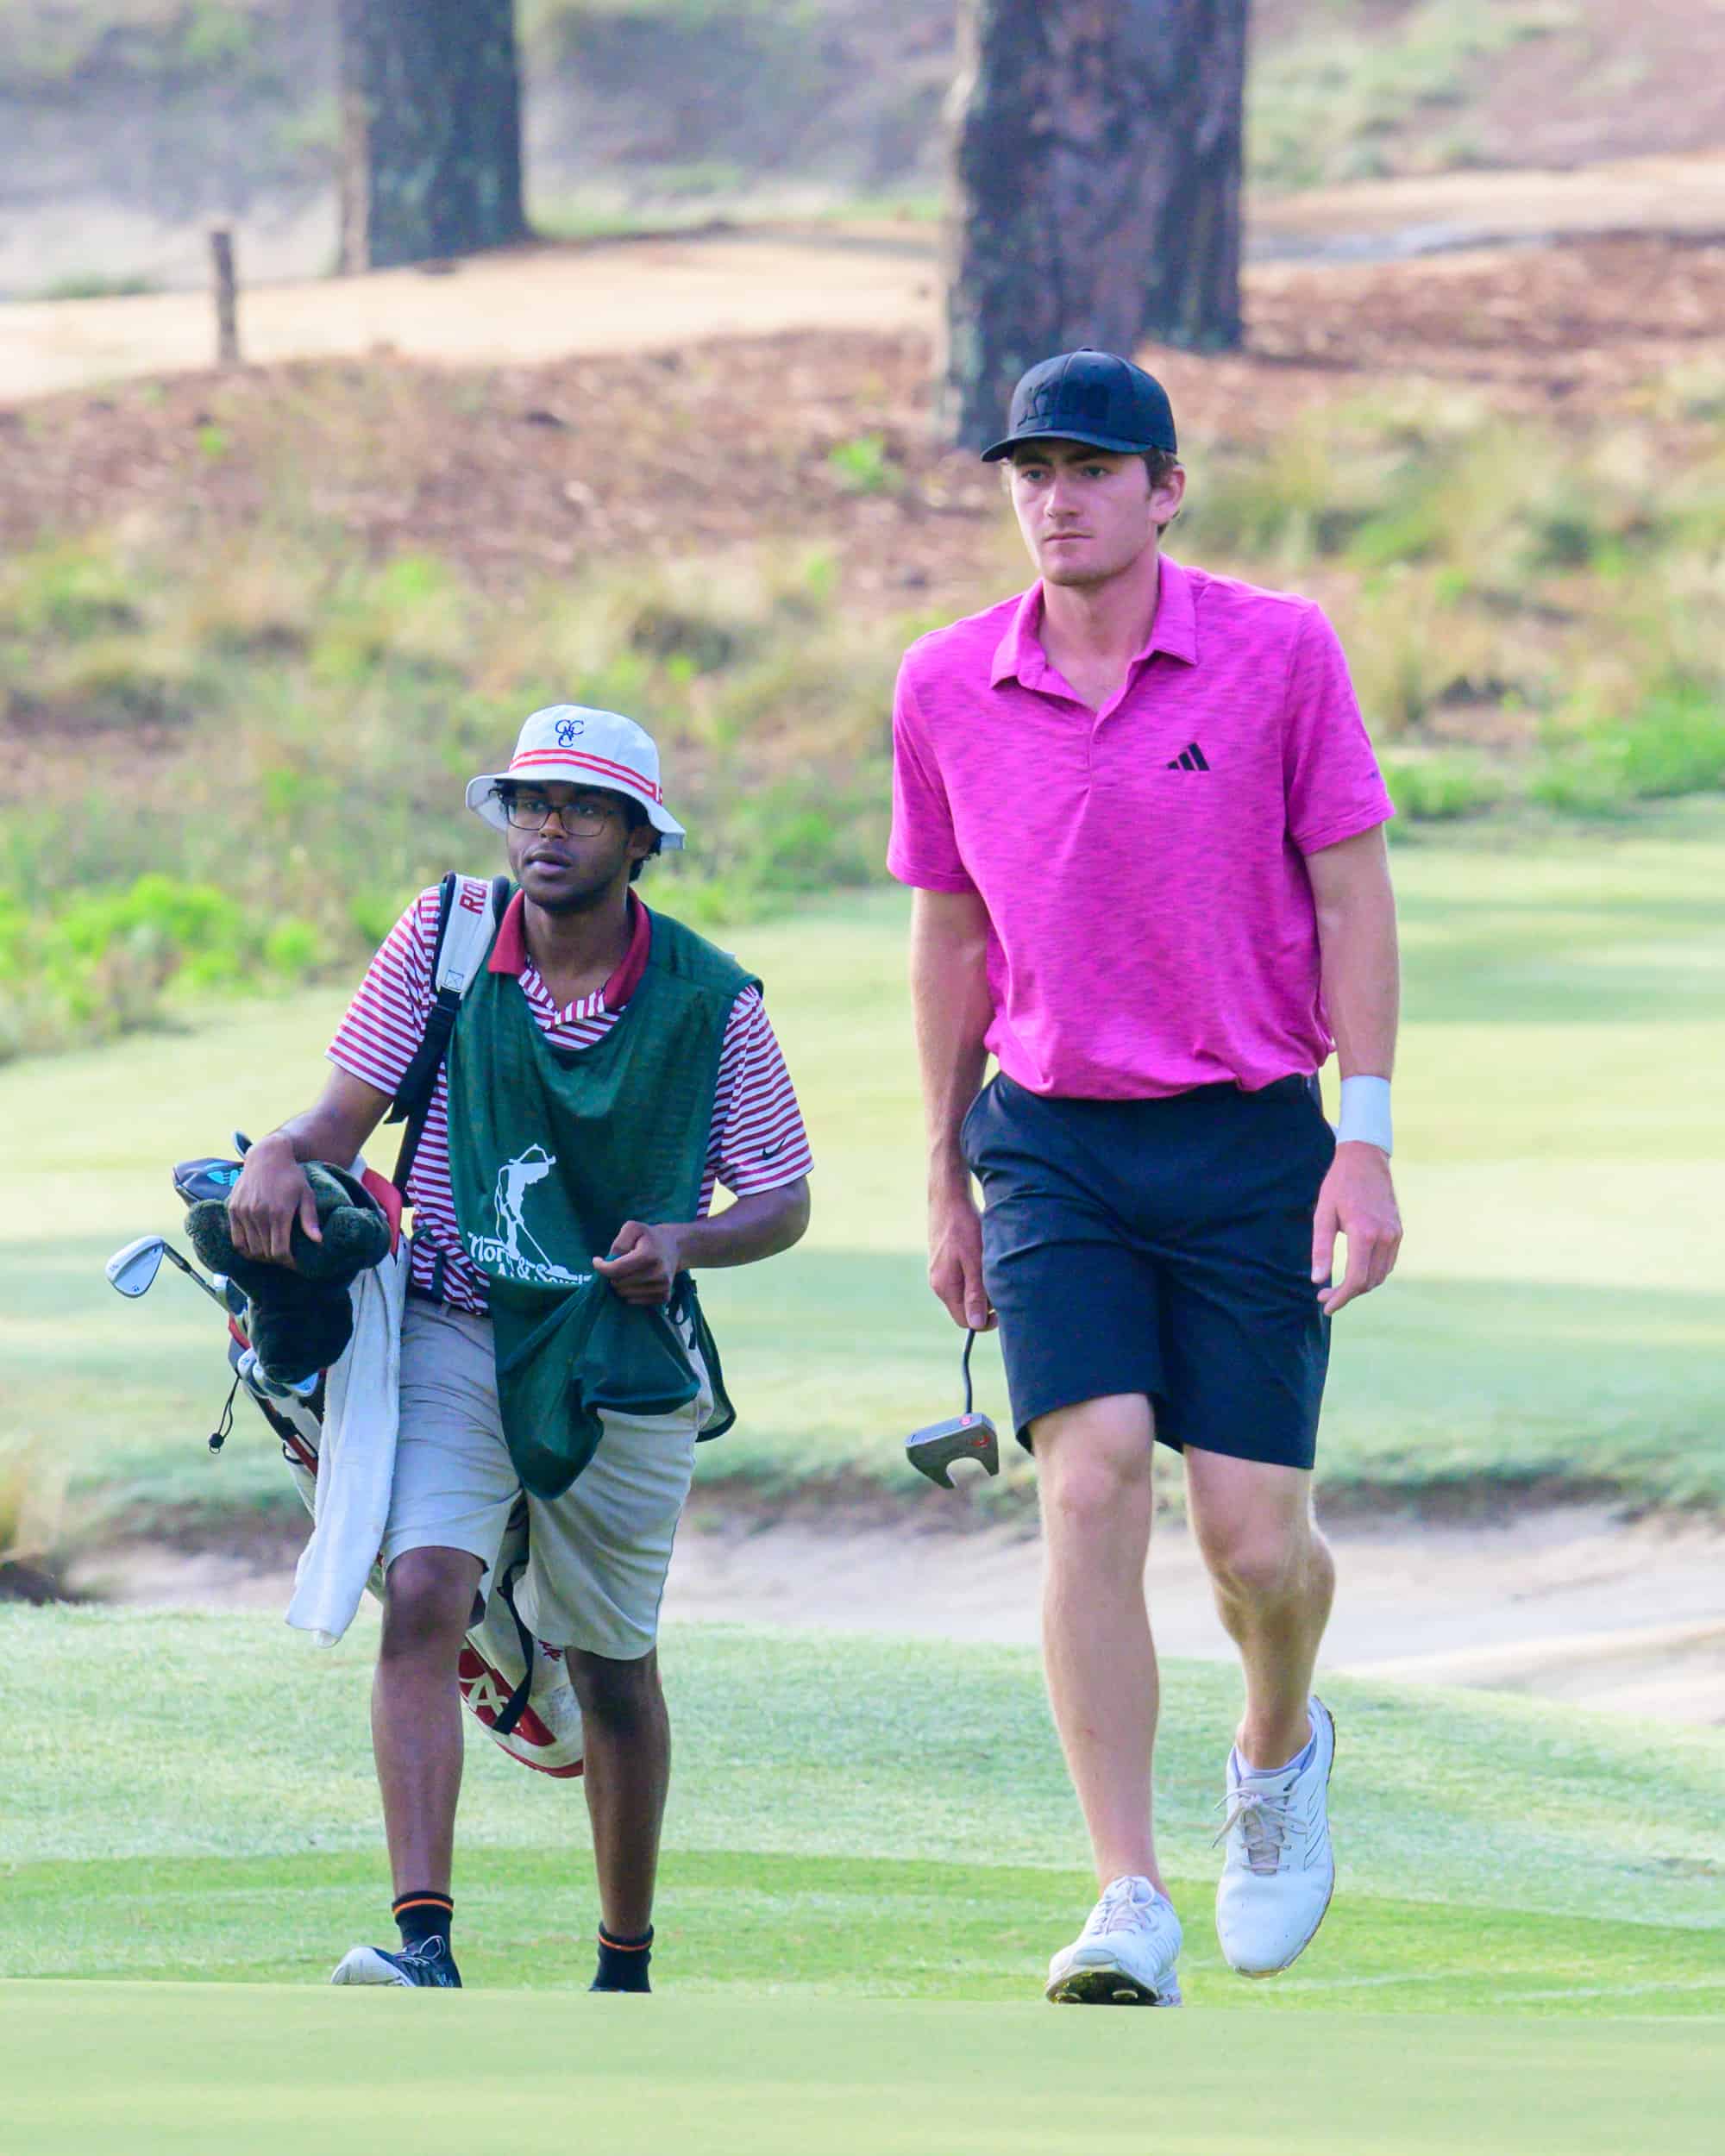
(1126, 1954)
(1279, 1873)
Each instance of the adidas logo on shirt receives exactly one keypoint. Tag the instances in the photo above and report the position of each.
(1189, 759)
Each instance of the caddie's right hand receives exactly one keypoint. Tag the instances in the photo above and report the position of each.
(270, 1194)
(955, 1260)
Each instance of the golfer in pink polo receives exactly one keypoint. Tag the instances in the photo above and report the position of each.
(1143, 825)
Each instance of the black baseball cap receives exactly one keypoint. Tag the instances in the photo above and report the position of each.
(1088, 396)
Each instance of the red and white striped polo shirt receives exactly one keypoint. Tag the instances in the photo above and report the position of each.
(757, 1141)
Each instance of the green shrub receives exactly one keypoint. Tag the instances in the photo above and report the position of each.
(212, 36)
(1578, 782)
(14, 937)
(1673, 744)
(411, 615)
(372, 914)
(68, 589)
(293, 951)
(1440, 787)
(1676, 743)
(105, 963)
(864, 466)
(795, 836)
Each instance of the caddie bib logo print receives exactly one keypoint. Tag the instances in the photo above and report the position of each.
(514, 1252)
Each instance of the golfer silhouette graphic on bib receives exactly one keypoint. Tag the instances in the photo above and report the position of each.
(514, 1180)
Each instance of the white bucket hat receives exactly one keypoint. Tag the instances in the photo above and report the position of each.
(569, 742)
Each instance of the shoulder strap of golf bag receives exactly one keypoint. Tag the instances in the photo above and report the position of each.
(468, 911)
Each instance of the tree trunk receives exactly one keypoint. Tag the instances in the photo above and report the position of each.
(1093, 188)
(432, 129)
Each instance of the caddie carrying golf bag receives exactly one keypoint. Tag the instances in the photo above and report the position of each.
(516, 1686)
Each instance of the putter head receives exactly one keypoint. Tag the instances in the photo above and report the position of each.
(932, 1451)
(131, 1271)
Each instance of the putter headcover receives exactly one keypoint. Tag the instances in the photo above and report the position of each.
(300, 1319)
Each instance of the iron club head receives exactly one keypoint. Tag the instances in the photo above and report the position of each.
(133, 1270)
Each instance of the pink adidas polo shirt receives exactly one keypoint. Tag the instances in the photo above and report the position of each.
(1144, 867)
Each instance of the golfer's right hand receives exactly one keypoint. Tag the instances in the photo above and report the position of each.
(270, 1194)
(955, 1262)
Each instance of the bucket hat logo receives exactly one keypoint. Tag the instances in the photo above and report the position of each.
(578, 746)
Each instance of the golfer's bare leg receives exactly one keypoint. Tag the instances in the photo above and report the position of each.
(1093, 1474)
(1274, 1579)
(417, 1712)
(626, 1739)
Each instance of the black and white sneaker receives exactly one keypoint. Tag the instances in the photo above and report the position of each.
(430, 1965)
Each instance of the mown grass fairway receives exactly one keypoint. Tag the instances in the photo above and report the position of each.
(1562, 1167)
(276, 2073)
(863, 1817)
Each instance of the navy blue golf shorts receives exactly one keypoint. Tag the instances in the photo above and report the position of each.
(1162, 1247)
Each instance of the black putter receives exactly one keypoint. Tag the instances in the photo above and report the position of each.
(967, 1437)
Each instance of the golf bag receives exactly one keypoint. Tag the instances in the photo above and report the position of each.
(517, 1686)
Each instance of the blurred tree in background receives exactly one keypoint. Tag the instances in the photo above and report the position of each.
(430, 129)
(1093, 188)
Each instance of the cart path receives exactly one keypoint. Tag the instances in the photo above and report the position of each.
(654, 294)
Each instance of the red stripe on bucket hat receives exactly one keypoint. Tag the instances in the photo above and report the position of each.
(536, 757)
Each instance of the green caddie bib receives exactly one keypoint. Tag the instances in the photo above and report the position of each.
(550, 1152)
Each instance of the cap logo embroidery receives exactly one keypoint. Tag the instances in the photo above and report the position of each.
(1050, 402)
(567, 732)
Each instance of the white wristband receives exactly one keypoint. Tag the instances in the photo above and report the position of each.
(1365, 1113)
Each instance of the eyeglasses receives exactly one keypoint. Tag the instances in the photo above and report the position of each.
(584, 817)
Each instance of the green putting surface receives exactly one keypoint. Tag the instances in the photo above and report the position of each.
(278, 2072)
(870, 1852)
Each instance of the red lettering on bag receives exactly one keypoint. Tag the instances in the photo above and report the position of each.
(487, 1694)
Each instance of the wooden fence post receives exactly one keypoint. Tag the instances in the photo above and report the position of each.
(226, 297)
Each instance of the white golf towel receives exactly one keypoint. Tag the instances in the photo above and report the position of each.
(356, 1463)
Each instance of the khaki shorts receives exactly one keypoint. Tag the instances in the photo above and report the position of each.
(598, 1554)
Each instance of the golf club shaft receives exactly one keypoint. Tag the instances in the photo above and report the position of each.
(192, 1273)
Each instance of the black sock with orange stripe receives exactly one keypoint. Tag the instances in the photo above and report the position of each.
(420, 1917)
(622, 1961)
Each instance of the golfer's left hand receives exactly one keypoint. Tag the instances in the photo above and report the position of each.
(643, 1262)
(1357, 1201)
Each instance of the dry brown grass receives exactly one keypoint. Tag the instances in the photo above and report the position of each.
(32, 1519)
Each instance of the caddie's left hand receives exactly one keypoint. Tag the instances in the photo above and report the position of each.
(643, 1262)
(1357, 1200)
